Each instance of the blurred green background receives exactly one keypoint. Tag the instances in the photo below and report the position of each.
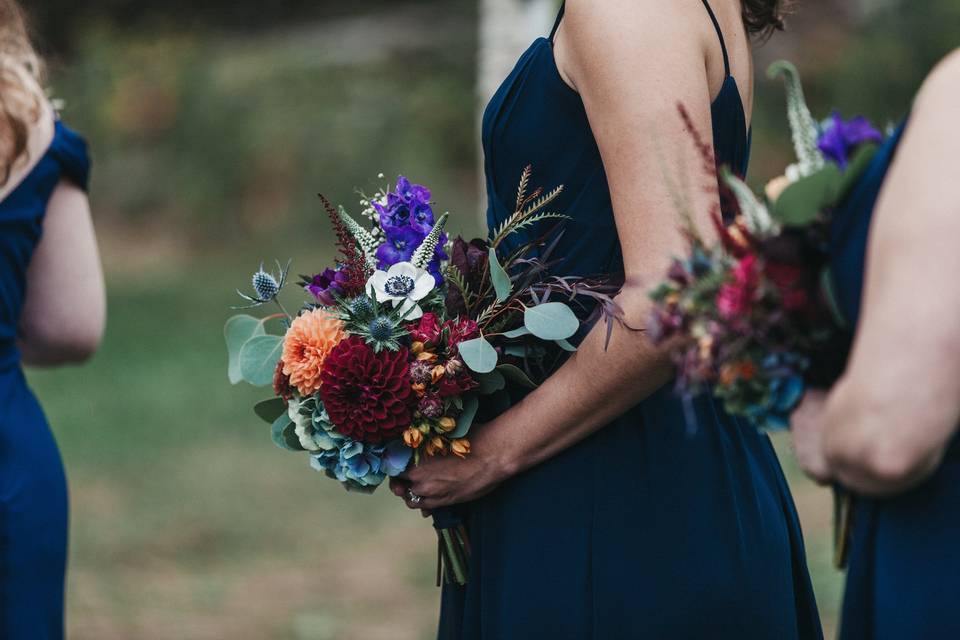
(213, 126)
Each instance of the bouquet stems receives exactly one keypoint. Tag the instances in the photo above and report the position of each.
(453, 558)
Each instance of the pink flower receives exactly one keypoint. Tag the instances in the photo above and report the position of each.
(736, 298)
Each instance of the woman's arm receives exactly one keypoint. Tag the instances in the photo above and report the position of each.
(632, 62)
(65, 310)
(898, 404)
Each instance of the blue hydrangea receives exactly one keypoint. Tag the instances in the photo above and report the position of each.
(786, 389)
(362, 467)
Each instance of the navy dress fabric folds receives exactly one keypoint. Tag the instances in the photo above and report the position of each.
(33, 489)
(647, 529)
(904, 566)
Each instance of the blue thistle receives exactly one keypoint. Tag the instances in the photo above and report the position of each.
(265, 285)
(381, 329)
(361, 306)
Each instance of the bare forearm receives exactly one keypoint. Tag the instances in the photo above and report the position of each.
(593, 387)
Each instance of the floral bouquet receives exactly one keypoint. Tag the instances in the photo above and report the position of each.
(388, 358)
(752, 316)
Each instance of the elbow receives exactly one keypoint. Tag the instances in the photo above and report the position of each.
(873, 451)
(73, 343)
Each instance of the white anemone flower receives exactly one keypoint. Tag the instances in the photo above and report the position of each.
(403, 285)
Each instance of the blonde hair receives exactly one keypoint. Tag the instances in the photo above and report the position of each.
(20, 105)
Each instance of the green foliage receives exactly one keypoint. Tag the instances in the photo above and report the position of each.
(479, 355)
(470, 406)
(551, 321)
(804, 200)
(237, 331)
(501, 281)
(258, 359)
(270, 410)
(283, 432)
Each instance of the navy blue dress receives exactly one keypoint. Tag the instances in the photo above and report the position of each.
(642, 530)
(33, 489)
(904, 566)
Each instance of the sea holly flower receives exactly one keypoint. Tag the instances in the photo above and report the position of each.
(266, 286)
(404, 286)
(839, 139)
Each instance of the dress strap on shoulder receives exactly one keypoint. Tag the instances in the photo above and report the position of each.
(723, 43)
(556, 24)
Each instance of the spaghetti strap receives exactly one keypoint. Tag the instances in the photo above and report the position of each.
(556, 25)
(716, 25)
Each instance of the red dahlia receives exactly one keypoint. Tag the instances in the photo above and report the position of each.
(367, 395)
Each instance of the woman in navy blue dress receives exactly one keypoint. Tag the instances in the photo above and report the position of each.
(51, 312)
(887, 431)
(596, 509)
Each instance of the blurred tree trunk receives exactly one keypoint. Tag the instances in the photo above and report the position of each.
(507, 27)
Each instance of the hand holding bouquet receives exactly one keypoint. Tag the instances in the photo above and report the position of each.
(389, 358)
(752, 316)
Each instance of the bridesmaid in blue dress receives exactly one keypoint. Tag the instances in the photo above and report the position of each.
(887, 431)
(51, 312)
(596, 508)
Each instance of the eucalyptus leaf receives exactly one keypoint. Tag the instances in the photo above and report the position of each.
(465, 421)
(270, 410)
(237, 331)
(551, 321)
(805, 199)
(517, 350)
(566, 346)
(258, 359)
(479, 355)
(501, 281)
(490, 383)
(517, 333)
(516, 375)
(283, 433)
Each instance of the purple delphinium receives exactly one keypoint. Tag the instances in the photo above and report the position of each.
(840, 138)
(408, 206)
(399, 246)
(325, 286)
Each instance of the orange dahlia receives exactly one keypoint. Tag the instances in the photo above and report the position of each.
(310, 338)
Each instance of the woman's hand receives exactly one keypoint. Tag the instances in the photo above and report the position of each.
(442, 481)
(807, 431)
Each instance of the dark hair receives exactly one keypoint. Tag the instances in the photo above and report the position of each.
(763, 17)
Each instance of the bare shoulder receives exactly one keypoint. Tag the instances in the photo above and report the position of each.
(944, 81)
(629, 34)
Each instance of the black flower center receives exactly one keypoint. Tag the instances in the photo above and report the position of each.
(399, 285)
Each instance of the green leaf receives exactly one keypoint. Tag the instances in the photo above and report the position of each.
(517, 333)
(566, 346)
(258, 359)
(857, 166)
(805, 199)
(516, 375)
(829, 290)
(551, 321)
(517, 350)
(270, 410)
(284, 434)
(237, 331)
(479, 355)
(465, 421)
(490, 383)
(501, 281)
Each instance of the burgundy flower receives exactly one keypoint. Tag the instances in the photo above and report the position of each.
(421, 372)
(367, 395)
(470, 259)
(281, 383)
(427, 330)
(431, 406)
(450, 386)
(736, 298)
(789, 280)
(461, 330)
